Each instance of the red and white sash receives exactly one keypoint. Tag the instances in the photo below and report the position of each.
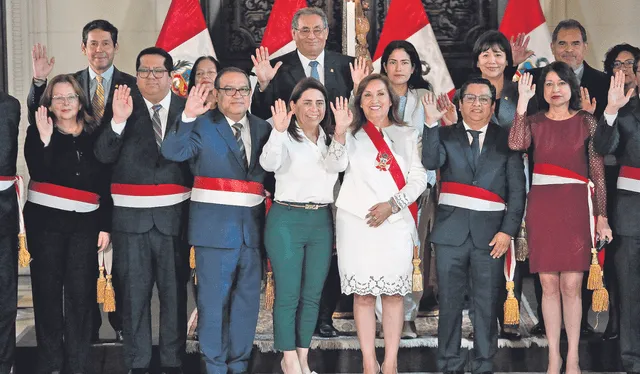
(148, 195)
(549, 174)
(470, 197)
(63, 198)
(227, 192)
(629, 179)
(389, 163)
(7, 182)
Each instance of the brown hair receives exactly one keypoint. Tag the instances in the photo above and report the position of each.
(85, 115)
(359, 118)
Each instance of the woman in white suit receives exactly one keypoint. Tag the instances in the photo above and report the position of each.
(376, 217)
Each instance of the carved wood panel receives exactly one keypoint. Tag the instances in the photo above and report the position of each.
(237, 27)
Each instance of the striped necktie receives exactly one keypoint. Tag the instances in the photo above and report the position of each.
(97, 103)
(157, 124)
(238, 135)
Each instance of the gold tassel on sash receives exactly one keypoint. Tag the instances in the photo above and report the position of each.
(417, 273)
(24, 257)
(594, 282)
(101, 285)
(269, 293)
(192, 263)
(521, 245)
(511, 308)
(109, 296)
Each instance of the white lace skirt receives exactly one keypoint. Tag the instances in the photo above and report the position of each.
(374, 261)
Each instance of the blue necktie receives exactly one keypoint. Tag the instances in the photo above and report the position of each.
(314, 69)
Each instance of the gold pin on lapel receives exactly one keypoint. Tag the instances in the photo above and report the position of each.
(331, 70)
(506, 98)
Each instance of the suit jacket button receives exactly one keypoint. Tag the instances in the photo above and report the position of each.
(475, 183)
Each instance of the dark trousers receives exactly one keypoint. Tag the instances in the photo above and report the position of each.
(143, 260)
(115, 318)
(611, 283)
(8, 299)
(330, 293)
(627, 260)
(228, 304)
(456, 267)
(64, 291)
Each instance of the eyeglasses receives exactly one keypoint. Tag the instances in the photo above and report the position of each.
(231, 91)
(157, 72)
(471, 98)
(307, 31)
(617, 64)
(209, 73)
(62, 99)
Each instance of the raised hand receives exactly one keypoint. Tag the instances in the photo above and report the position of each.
(197, 101)
(42, 66)
(431, 112)
(588, 104)
(122, 104)
(616, 97)
(445, 104)
(264, 71)
(526, 87)
(44, 124)
(519, 49)
(281, 119)
(359, 71)
(342, 115)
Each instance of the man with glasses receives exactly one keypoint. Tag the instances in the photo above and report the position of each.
(480, 176)
(98, 81)
(150, 196)
(226, 215)
(309, 29)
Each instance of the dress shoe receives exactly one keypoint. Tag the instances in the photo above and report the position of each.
(409, 330)
(119, 337)
(95, 337)
(538, 329)
(326, 330)
(586, 330)
(610, 334)
(513, 335)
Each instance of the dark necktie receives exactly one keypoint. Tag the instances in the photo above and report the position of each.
(157, 124)
(238, 135)
(475, 145)
(314, 69)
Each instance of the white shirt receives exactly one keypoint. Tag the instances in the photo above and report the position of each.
(163, 113)
(300, 171)
(245, 135)
(106, 82)
(307, 69)
(483, 133)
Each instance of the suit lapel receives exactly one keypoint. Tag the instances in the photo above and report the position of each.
(295, 67)
(253, 130)
(174, 112)
(464, 143)
(330, 66)
(85, 83)
(223, 128)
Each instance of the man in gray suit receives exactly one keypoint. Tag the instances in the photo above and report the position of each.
(480, 176)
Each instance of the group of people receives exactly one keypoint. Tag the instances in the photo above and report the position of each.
(120, 161)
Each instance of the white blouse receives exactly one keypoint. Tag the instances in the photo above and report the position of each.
(302, 172)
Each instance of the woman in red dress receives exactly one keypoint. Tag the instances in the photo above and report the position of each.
(559, 207)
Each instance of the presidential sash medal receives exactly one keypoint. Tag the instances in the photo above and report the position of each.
(383, 161)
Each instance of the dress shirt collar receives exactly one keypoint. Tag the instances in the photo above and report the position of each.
(322, 137)
(244, 121)
(106, 76)
(305, 61)
(164, 102)
(483, 130)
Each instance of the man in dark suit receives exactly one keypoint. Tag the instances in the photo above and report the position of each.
(569, 44)
(480, 176)
(150, 196)
(9, 210)
(618, 133)
(226, 219)
(309, 29)
(98, 81)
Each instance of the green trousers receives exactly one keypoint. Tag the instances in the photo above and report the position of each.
(299, 243)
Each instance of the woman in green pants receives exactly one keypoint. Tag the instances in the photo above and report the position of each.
(299, 227)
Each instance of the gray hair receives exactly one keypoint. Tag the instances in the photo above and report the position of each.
(310, 11)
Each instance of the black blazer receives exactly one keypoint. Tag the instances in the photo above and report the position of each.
(119, 78)
(499, 170)
(623, 139)
(593, 80)
(337, 81)
(136, 160)
(9, 124)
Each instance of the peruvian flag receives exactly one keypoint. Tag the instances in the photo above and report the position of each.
(186, 37)
(407, 20)
(277, 35)
(525, 16)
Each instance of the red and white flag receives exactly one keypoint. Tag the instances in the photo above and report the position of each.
(277, 35)
(407, 20)
(526, 16)
(186, 37)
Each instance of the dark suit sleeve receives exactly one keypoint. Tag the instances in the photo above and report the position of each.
(108, 145)
(9, 125)
(182, 143)
(262, 101)
(516, 194)
(606, 138)
(33, 101)
(433, 153)
(39, 158)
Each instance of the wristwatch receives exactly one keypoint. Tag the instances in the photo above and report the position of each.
(394, 206)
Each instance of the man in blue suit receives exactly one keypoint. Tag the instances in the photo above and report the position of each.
(226, 217)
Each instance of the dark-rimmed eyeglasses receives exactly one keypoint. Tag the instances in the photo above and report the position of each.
(231, 91)
(617, 64)
(156, 72)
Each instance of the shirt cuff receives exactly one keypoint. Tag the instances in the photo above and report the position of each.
(431, 125)
(186, 119)
(118, 128)
(610, 118)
